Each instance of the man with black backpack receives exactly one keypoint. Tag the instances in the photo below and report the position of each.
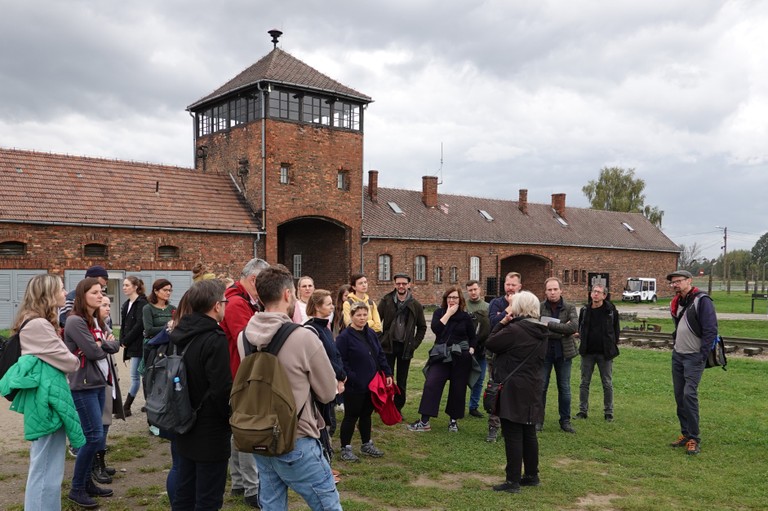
(695, 330)
(309, 372)
(204, 449)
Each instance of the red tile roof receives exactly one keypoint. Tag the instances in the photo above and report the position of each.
(279, 67)
(457, 218)
(44, 187)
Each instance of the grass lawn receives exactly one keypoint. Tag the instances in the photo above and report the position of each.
(624, 465)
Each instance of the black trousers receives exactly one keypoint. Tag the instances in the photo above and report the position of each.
(401, 374)
(457, 373)
(521, 446)
(358, 409)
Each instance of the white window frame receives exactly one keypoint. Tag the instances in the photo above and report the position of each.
(420, 268)
(385, 267)
(474, 268)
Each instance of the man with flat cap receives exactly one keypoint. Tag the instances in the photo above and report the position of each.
(403, 329)
(695, 331)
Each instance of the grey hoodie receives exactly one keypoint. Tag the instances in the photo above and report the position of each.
(305, 363)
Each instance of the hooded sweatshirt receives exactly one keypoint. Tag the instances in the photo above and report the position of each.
(305, 363)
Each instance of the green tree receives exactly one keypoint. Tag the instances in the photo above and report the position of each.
(760, 250)
(618, 189)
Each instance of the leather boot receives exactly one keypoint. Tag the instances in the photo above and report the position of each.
(109, 470)
(98, 469)
(127, 405)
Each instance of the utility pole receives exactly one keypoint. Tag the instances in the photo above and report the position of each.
(726, 273)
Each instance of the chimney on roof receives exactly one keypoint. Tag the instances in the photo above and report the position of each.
(429, 191)
(373, 185)
(275, 35)
(522, 201)
(558, 204)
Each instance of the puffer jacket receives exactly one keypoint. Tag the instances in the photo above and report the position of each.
(44, 399)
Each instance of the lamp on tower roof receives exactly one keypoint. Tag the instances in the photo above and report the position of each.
(275, 35)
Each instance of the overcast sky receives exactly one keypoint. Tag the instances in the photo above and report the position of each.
(529, 94)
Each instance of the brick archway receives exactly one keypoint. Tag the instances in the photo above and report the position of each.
(534, 269)
(323, 247)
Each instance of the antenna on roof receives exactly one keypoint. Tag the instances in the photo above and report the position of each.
(441, 164)
(275, 33)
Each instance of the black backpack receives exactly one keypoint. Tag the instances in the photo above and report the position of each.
(10, 352)
(167, 392)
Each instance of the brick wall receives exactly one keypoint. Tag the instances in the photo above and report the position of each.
(497, 260)
(59, 248)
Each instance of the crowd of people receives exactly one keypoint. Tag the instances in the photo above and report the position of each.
(348, 341)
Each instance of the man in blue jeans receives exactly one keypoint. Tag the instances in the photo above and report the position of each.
(305, 470)
(562, 321)
(695, 332)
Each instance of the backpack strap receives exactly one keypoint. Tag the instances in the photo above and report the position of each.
(280, 337)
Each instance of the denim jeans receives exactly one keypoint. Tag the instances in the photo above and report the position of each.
(172, 481)
(686, 375)
(563, 374)
(305, 470)
(243, 471)
(46, 472)
(605, 367)
(201, 485)
(477, 390)
(135, 376)
(89, 404)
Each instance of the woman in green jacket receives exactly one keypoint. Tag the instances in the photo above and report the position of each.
(48, 408)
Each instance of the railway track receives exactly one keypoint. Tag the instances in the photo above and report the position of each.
(645, 338)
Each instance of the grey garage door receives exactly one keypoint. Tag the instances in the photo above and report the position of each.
(12, 286)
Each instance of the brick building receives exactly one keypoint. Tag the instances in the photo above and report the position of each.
(278, 174)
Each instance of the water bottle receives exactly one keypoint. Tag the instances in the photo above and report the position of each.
(176, 383)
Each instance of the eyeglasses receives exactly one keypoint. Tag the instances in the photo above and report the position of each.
(166, 289)
(398, 284)
(451, 297)
(677, 282)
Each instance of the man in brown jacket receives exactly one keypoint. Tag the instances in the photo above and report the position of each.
(306, 364)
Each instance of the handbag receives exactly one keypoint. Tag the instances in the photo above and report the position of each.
(493, 389)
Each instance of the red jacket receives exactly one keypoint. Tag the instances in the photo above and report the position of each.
(237, 314)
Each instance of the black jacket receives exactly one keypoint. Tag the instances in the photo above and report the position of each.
(611, 327)
(415, 325)
(132, 328)
(210, 382)
(521, 398)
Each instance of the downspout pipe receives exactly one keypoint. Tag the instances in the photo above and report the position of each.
(263, 102)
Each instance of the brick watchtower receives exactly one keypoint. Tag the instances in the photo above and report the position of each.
(292, 140)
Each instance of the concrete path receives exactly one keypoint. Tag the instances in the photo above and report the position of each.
(653, 311)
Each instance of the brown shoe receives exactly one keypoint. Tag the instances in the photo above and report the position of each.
(692, 447)
(680, 442)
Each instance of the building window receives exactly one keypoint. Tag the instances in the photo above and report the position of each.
(316, 110)
(575, 274)
(284, 105)
(385, 267)
(204, 123)
(167, 252)
(420, 268)
(342, 180)
(238, 112)
(97, 250)
(346, 115)
(285, 174)
(13, 249)
(566, 277)
(474, 268)
(220, 117)
(438, 275)
(297, 264)
(254, 108)
(454, 275)
(583, 276)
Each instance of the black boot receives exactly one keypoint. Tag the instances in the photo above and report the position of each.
(109, 470)
(96, 491)
(127, 405)
(98, 470)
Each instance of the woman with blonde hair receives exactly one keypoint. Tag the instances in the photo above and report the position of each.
(304, 289)
(519, 342)
(47, 421)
